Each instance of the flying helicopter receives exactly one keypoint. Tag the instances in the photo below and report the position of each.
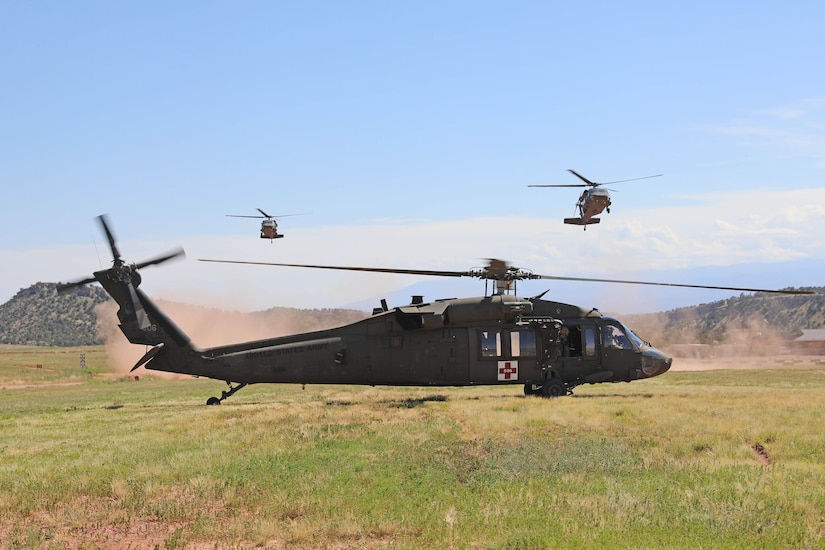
(593, 200)
(548, 347)
(269, 227)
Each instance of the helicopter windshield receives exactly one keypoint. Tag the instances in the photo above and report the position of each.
(630, 334)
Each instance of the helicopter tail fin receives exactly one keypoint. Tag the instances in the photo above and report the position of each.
(143, 322)
(579, 221)
(172, 349)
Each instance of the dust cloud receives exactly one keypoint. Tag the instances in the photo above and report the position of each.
(772, 362)
(208, 327)
(696, 342)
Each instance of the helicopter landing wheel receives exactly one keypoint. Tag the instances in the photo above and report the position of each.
(553, 388)
(531, 389)
(225, 394)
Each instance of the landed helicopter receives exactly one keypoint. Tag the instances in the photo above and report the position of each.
(548, 347)
(593, 200)
(269, 227)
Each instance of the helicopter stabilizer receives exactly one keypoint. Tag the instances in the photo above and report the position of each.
(579, 221)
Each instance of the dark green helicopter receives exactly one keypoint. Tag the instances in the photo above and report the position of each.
(548, 347)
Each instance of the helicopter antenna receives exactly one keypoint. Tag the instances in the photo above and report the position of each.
(97, 251)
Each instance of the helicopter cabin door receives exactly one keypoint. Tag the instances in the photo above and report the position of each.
(580, 353)
(503, 355)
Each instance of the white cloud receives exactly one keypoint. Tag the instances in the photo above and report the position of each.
(796, 128)
(714, 230)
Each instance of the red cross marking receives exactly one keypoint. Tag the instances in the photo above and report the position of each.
(507, 370)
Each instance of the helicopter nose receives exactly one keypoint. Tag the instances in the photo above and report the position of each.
(655, 363)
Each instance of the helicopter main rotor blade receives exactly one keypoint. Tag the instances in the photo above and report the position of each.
(351, 268)
(711, 287)
(589, 183)
(288, 215)
(264, 213)
(584, 179)
(267, 216)
(631, 179)
(562, 185)
(510, 273)
(110, 236)
(65, 287)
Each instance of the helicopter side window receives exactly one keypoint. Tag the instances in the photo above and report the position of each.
(490, 343)
(589, 341)
(523, 344)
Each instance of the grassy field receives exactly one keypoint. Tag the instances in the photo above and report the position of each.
(706, 459)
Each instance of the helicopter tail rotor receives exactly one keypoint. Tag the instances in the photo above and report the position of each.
(121, 280)
(110, 236)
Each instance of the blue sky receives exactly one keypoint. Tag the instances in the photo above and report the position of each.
(411, 131)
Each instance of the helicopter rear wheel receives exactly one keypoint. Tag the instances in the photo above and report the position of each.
(225, 394)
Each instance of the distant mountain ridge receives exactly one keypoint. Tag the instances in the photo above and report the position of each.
(38, 315)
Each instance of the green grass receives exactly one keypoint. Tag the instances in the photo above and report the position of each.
(666, 463)
(25, 365)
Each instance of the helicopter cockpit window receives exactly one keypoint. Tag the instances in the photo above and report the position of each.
(523, 344)
(614, 337)
(490, 343)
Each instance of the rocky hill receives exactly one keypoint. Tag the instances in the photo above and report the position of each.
(39, 316)
(735, 320)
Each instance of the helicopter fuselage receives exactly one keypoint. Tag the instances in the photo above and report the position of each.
(499, 339)
(269, 230)
(593, 202)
